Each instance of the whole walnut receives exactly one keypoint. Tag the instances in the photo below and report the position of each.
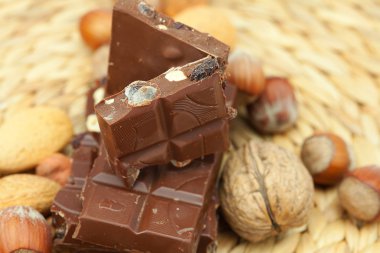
(265, 190)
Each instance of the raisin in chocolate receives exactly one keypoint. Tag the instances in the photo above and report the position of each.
(205, 69)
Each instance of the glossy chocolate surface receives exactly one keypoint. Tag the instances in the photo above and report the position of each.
(67, 205)
(146, 43)
(181, 120)
(166, 207)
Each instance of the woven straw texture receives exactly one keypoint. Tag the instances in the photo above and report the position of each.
(330, 51)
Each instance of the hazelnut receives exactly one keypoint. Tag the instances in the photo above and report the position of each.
(359, 193)
(172, 7)
(327, 157)
(180, 164)
(265, 191)
(56, 167)
(24, 229)
(275, 110)
(95, 27)
(246, 73)
(218, 26)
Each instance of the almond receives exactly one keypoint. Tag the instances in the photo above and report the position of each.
(30, 135)
(27, 190)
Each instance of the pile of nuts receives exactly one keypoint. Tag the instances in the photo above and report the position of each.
(247, 186)
(265, 189)
(31, 138)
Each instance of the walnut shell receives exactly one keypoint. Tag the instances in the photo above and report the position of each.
(265, 190)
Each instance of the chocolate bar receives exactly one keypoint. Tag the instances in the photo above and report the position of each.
(166, 207)
(165, 119)
(180, 113)
(208, 240)
(67, 205)
(146, 43)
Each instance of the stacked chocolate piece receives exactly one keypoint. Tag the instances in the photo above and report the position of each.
(147, 182)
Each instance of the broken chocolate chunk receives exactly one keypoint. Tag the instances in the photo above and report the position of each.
(166, 207)
(146, 43)
(186, 121)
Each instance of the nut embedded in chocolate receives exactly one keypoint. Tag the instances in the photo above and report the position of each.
(135, 57)
(180, 164)
(146, 10)
(141, 93)
(60, 227)
(205, 69)
(166, 207)
(175, 75)
(65, 227)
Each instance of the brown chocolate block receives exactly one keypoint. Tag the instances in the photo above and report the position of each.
(146, 43)
(67, 205)
(183, 119)
(166, 207)
(208, 241)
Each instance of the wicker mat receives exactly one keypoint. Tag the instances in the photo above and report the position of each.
(330, 50)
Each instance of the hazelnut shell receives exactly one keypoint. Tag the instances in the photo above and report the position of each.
(173, 7)
(246, 73)
(56, 167)
(275, 110)
(23, 228)
(95, 27)
(327, 157)
(359, 193)
(218, 26)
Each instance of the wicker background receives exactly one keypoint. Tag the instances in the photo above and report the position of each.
(330, 50)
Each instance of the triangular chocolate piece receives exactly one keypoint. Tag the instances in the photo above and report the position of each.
(146, 43)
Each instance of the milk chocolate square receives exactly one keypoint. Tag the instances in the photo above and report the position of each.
(165, 119)
(166, 207)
